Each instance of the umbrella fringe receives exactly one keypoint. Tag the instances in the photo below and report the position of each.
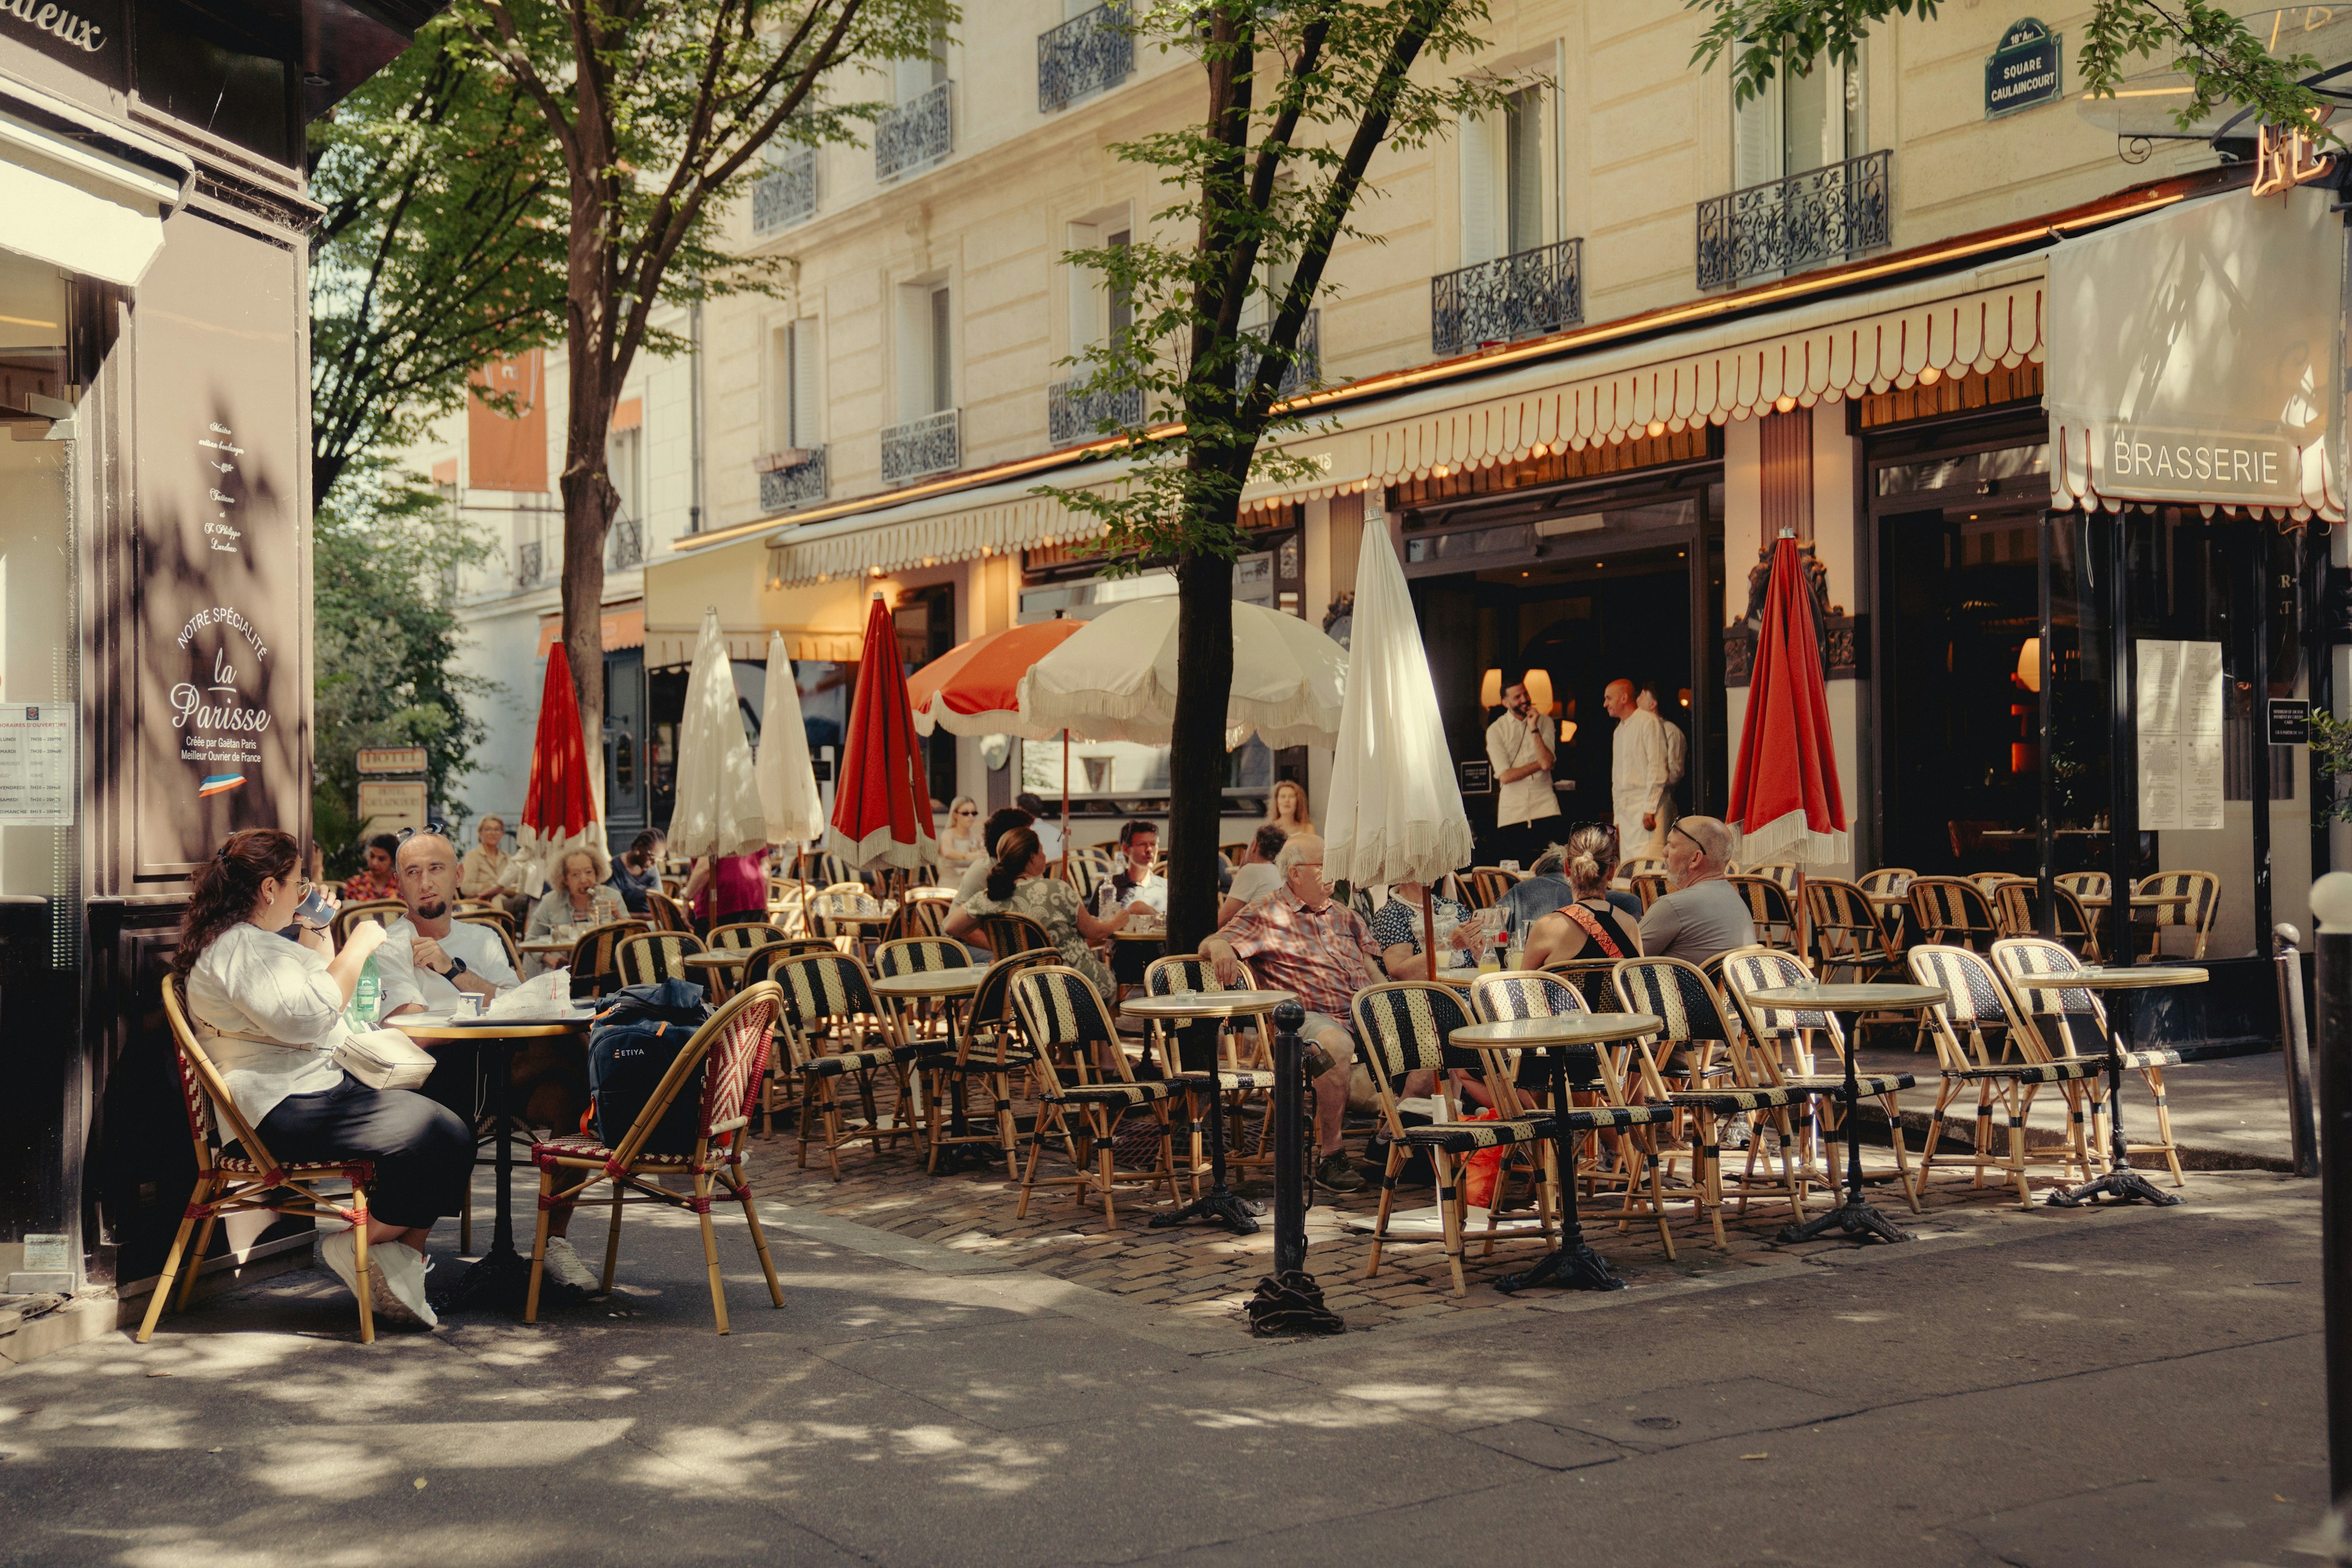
(1792, 837)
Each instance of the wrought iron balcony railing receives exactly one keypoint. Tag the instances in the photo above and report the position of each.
(781, 490)
(623, 545)
(1074, 415)
(1523, 295)
(785, 194)
(916, 135)
(1305, 368)
(1786, 225)
(528, 565)
(1085, 54)
(931, 444)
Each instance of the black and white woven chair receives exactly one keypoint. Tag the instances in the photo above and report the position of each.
(834, 1033)
(1983, 1044)
(1237, 1081)
(1081, 1098)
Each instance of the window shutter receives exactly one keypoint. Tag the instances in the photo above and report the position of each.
(1477, 193)
(1524, 170)
(807, 430)
(1756, 137)
(943, 367)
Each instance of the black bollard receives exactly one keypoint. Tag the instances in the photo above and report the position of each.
(2331, 901)
(2295, 1034)
(1290, 1301)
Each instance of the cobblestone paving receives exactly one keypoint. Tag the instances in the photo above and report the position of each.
(1204, 1271)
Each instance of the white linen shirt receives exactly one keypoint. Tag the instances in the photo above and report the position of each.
(1508, 746)
(255, 982)
(404, 983)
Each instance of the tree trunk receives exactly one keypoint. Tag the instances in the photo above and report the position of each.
(1196, 759)
(589, 502)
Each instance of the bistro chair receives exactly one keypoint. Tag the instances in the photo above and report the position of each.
(667, 914)
(650, 957)
(250, 1180)
(1849, 933)
(2181, 919)
(501, 923)
(742, 934)
(918, 914)
(1489, 884)
(1693, 1027)
(1406, 1028)
(2072, 1025)
(1771, 906)
(1782, 1041)
(776, 1086)
(593, 964)
(1983, 1044)
(1061, 1011)
(1633, 1129)
(989, 1054)
(1893, 881)
(1649, 887)
(1594, 981)
(1780, 872)
(727, 1054)
(919, 1021)
(383, 912)
(834, 1031)
(1189, 974)
(1086, 869)
(2087, 886)
(1005, 933)
(2019, 904)
(834, 872)
(1989, 883)
(1953, 911)
(841, 899)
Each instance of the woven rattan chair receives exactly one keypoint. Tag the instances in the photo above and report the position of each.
(1953, 911)
(1594, 980)
(499, 921)
(1242, 1071)
(667, 913)
(1649, 887)
(1086, 869)
(383, 912)
(250, 1180)
(727, 1055)
(2204, 903)
(1061, 1014)
(595, 966)
(650, 957)
(1778, 871)
(1983, 1044)
(1633, 1129)
(1005, 933)
(1888, 880)
(1850, 940)
(917, 915)
(778, 1088)
(2085, 884)
(990, 1053)
(1694, 1064)
(1406, 1028)
(1783, 1044)
(834, 1031)
(742, 934)
(1489, 884)
(2018, 901)
(1772, 907)
(919, 1021)
(2073, 1025)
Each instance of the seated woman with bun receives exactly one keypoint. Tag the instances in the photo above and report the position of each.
(269, 1012)
(1588, 925)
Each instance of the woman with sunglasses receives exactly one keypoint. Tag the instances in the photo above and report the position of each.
(959, 844)
(269, 1012)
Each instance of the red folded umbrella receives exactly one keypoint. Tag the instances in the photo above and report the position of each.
(1785, 798)
(882, 802)
(560, 808)
(972, 688)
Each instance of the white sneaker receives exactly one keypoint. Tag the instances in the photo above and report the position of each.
(339, 1253)
(396, 1283)
(563, 1265)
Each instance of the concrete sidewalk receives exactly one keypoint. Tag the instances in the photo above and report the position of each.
(2134, 1387)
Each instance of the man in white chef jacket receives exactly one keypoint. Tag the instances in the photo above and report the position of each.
(1641, 778)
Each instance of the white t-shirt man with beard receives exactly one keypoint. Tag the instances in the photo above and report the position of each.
(427, 957)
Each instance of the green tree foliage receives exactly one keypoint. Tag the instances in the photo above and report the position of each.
(442, 247)
(1300, 95)
(386, 552)
(657, 111)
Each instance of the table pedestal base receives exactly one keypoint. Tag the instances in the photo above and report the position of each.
(1574, 1266)
(1853, 1217)
(499, 1281)
(2125, 1186)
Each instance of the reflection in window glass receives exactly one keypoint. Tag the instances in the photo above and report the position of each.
(38, 586)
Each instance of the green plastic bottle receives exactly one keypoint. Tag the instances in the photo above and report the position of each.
(367, 997)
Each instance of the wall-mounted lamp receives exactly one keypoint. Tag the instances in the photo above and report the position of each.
(2029, 664)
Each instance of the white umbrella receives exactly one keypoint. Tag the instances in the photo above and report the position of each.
(788, 794)
(1116, 680)
(1395, 813)
(718, 809)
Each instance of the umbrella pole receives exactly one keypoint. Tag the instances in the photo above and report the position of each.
(1429, 925)
(1804, 920)
(1065, 806)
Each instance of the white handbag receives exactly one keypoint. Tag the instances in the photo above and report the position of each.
(384, 1059)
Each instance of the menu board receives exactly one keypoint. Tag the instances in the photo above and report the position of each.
(36, 764)
(2179, 723)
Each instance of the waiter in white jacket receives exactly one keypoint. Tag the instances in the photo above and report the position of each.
(1641, 780)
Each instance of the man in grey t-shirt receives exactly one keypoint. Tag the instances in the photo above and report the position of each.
(1704, 915)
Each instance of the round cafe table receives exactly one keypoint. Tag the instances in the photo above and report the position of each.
(1198, 1011)
(500, 1277)
(720, 965)
(2121, 1182)
(1854, 1217)
(949, 987)
(1573, 1263)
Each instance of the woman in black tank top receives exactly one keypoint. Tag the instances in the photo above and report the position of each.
(1588, 926)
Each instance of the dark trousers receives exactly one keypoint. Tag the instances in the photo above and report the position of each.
(424, 1155)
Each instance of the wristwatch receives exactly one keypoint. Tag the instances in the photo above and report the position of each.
(457, 967)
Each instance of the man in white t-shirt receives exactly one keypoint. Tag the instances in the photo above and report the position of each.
(430, 957)
(1521, 744)
(1255, 877)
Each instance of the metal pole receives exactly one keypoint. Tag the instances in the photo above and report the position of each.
(2258, 615)
(1290, 1143)
(2123, 757)
(2046, 840)
(2294, 1033)
(2331, 902)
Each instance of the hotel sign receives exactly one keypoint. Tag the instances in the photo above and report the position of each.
(2151, 462)
(2026, 71)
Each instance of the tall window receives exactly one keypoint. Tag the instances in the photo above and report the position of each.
(1798, 122)
(926, 350)
(1506, 180)
(623, 464)
(909, 80)
(794, 422)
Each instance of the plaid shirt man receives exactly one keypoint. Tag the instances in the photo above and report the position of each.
(1324, 955)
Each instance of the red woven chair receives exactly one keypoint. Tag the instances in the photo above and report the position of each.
(250, 1180)
(731, 1048)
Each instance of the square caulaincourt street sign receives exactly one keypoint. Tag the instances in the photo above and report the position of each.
(2026, 71)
